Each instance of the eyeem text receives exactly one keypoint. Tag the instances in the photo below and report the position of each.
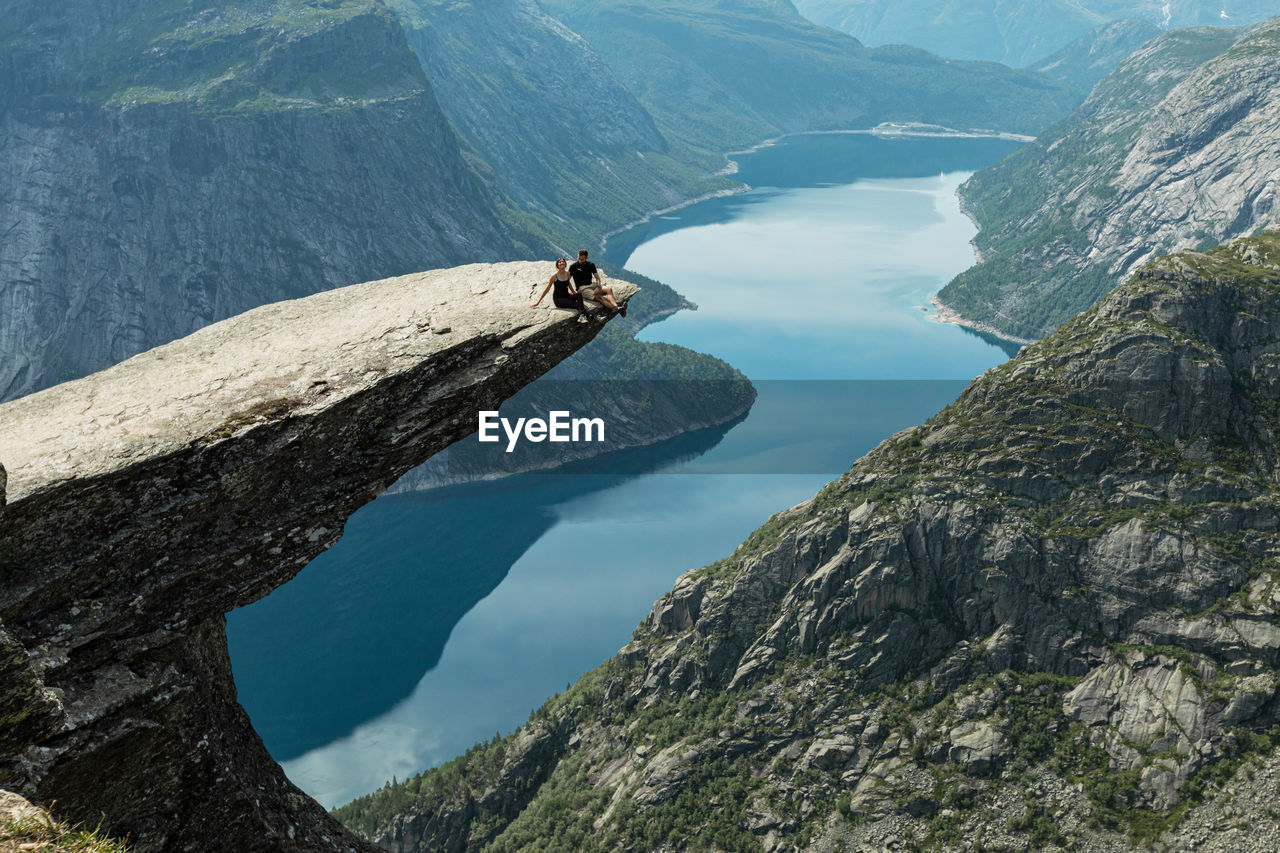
(559, 427)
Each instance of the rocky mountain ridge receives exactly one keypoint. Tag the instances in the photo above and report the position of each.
(1016, 32)
(1044, 619)
(147, 500)
(1172, 150)
(1088, 59)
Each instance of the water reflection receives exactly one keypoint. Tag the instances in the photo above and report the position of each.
(357, 629)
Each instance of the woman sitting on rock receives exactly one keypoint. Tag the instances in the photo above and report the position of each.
(566, 295)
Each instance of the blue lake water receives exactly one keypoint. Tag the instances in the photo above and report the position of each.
(444, 617)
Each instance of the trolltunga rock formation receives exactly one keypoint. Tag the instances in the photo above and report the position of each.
(147, 500)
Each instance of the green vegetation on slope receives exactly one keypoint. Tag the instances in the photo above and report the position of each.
(43, 833)
(248, 58)
(574, 153)
(1088, 59)
(932, 647)
(1040, 209)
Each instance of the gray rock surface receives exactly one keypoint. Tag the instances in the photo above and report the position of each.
(14, 807)
(1088, 59)
(147, 500)
(1174, 149)
(1044, 619)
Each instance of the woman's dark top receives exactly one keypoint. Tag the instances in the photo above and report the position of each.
(561, 288)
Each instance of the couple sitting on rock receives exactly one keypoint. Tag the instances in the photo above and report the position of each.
(576, 284)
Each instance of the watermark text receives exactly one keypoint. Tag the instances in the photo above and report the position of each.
(558, 427)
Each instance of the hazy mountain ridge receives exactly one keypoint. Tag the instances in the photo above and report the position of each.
(1016, 32)
(1088, 59)
(1044, 619)
(727, 74)
(1172, 149)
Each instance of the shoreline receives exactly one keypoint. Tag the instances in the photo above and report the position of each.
(894, 129)
(722, 193)
(943, 313)
(969, 214)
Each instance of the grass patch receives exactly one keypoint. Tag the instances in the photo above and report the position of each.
(44, 833)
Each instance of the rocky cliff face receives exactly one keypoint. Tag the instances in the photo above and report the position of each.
(1044, 619)
(1088, 59)
(571, 148)
(147, 500)
(1173, 149)
(168, 165)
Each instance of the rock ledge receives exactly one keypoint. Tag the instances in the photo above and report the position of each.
(147, 500)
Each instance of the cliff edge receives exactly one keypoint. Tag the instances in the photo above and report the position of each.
(147, 500)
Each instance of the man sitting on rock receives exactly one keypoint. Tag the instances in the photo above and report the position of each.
(582, 272)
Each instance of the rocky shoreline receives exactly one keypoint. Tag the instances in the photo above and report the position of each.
(944, 314)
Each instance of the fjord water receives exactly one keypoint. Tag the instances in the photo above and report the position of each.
(444, 617)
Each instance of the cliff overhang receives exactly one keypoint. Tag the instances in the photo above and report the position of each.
(146, 501)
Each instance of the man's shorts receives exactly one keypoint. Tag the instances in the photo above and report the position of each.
(588, 292)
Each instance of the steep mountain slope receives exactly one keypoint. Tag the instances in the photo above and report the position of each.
(570, 147)
(725, 73)
(1175, 148)
(170, 164)
(1015, 32)
(1088, 59)
(1045, 618)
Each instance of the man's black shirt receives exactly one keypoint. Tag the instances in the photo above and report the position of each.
(582, 273)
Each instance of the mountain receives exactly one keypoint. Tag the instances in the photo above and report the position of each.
(724, 73)
(574, 153)
(1016, 32)
(1043, 619)
(167, 165)
(1088, 59)
(1173, 149)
